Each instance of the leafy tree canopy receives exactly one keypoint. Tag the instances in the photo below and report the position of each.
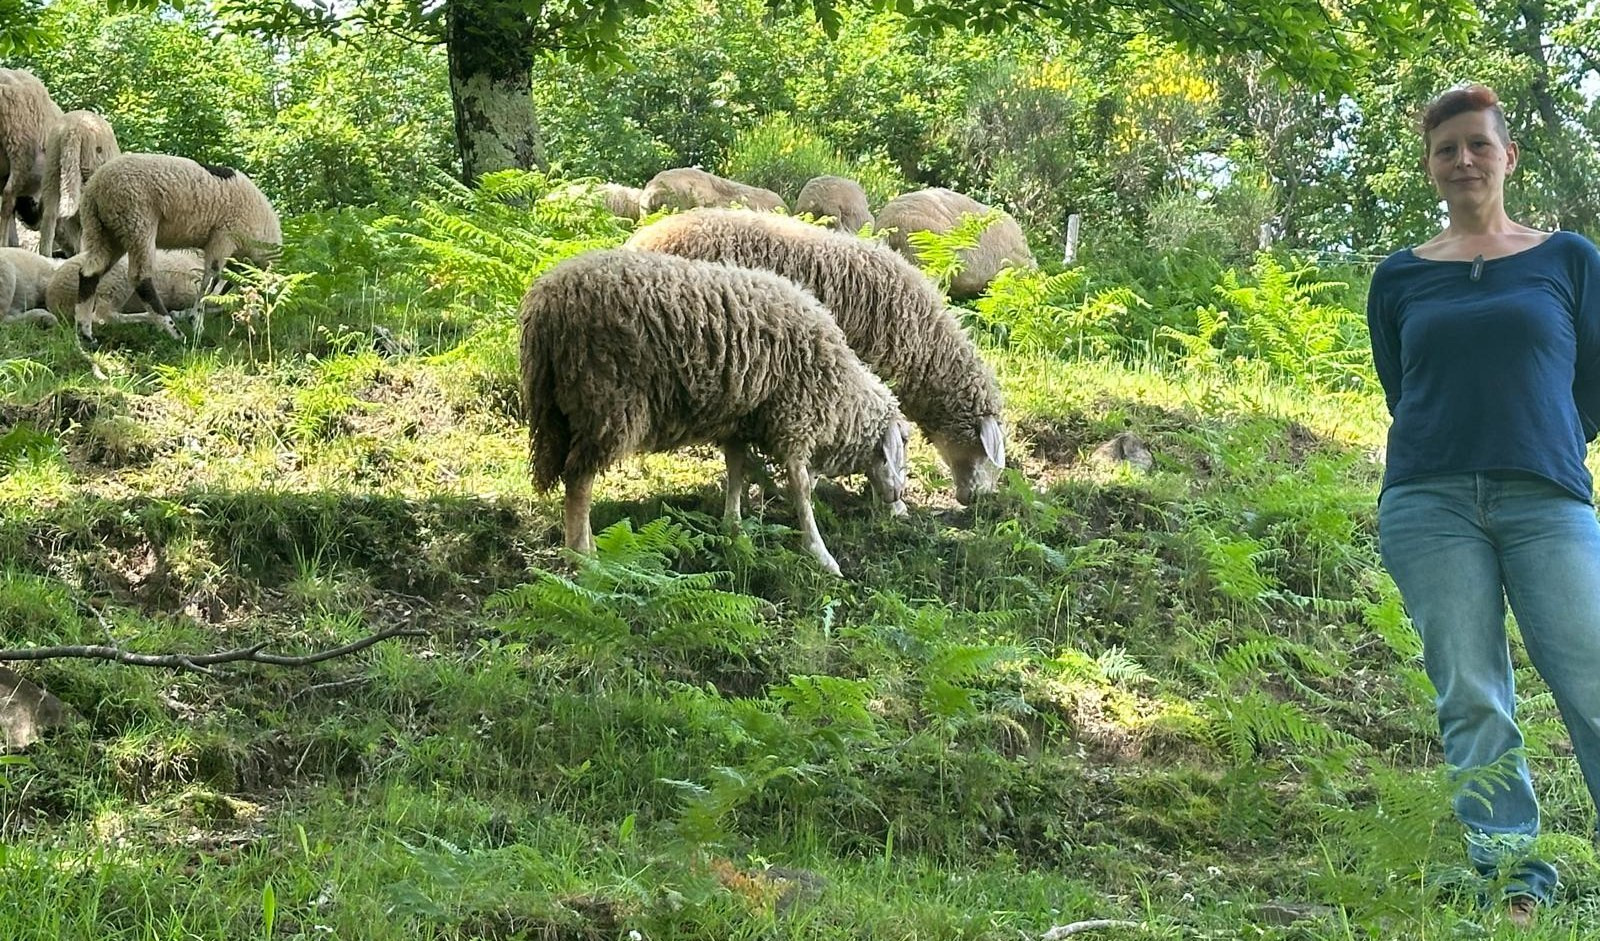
(1326, 43)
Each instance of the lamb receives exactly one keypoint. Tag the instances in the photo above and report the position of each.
(626, 351)
(26, 114)
(27, 275)
(690, 187)
(76, 146)
(175, 275)
(940, 210)
(137, 203)
(839, 198)
(891, 314)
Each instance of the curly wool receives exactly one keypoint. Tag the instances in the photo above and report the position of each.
(77, 145)
(939, 210)
(893, 316)
(176, 277)
(691, 187)
(26, 114)
(137, 203)
(27, 276)
(627, 351)
(839, 198)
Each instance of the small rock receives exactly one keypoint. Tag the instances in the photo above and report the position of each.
(26, 711)
(1125, 448)
(1287, 913)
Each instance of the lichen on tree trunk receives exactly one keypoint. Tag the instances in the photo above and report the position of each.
(491, 73)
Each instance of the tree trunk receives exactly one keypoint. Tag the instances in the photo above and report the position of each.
(489, 45)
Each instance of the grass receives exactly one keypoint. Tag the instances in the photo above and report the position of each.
(1169, 698)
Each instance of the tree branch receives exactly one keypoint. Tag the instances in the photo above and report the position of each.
(200, 663)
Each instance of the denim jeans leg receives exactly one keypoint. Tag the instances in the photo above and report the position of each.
(1550, 552)
(1434, 544)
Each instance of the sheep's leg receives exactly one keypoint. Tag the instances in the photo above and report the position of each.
(734, 455)
(8, 211)
(47, 229)
(800, 484)
(579, 494)
(83, 311)
(158, 309)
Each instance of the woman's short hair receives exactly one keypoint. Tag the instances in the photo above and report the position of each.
(1460, 101)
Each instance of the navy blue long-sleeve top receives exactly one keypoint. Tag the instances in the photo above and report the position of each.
(1501, 373)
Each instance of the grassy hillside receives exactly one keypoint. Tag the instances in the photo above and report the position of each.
(1184, 699)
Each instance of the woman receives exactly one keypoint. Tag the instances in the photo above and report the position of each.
(1486, 339)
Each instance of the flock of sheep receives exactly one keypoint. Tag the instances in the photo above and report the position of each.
(120, 213)
(752, 330)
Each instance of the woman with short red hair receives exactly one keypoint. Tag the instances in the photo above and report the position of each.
(1486, 339)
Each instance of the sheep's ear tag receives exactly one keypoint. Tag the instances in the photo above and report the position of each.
(994, 441)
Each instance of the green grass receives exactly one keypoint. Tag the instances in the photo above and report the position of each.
(1169, 698)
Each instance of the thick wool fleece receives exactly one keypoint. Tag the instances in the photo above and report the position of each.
(940, 210)
(627, 351)
(26, 114)
(892, 316)
(77, 145)
(137, 203)
(28, 274)
(689, 187)
(840, 198)
(176, 276)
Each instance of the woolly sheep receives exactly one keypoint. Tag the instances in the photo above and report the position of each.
(940, 210)
(627, 351)
(839, 198)
(175, 275)
(690, 187)
(891, 314)
(26, 114)
(28, 274)
(621, 201)
(77, 145)
(137, 203)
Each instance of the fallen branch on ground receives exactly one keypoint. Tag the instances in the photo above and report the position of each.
(199, 662)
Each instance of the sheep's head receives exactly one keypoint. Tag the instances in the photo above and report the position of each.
(975, 464)
(887, 467)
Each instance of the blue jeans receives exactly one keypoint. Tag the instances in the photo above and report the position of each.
(1459, 546)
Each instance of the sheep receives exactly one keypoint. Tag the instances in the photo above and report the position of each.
(28, 276)
(175, 275)
(891, 314)
(839, 198)
(626, 351)
(137, 203)
(621, 201)
(26, 114)
(689, 187)
(76, 146)
(940, 210)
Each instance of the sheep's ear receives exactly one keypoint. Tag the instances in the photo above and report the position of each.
(994, 441)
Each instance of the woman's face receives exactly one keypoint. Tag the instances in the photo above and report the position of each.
(1467, 160)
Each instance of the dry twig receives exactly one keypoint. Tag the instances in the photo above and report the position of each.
(200, 662)
(1062, 931)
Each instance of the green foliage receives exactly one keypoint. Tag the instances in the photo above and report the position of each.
(780, 155)
(939, 253)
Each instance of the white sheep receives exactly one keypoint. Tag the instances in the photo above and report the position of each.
(939, 210)
(176, 276)
(689, 187)
(26, 114)
(137, 203)
(28, 275)
(838, 198)
(891, 314)
(77, 145)
(626, 351)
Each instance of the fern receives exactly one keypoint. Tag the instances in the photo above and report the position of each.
(939, 253)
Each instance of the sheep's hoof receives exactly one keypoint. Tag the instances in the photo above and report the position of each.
(88, 342)
(826, 560)
(898, 508)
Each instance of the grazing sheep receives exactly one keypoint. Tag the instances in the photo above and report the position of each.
(137, 203)
(627, 351)
(689, 187)
(621, 201)
(77, 145)
(940, 210)
(891, 314)
(27, 276)
(839, 198)
(175, 275)
(26, 114)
